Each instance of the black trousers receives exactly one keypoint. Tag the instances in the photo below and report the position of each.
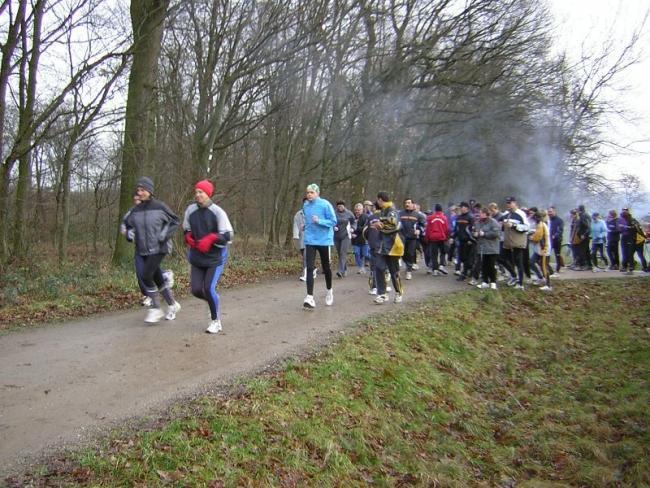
(310, 258)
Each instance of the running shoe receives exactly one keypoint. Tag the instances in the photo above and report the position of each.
(483, 286)
(329, 297)
(408, 275)
(493, 286)
(545, 288)
(519, 287)
(172, 310)
(398, 298)
(303, 276)
(214, 327)
(146, 302)
(380, 299)
(153, 315)
(372, 291)
(309, 302)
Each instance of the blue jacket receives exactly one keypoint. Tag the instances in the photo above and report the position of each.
(322, 233)
(598, 231)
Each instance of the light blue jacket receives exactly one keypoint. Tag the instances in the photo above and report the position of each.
(598, 231)
(322, 233)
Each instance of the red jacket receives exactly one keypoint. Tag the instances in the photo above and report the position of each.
(437, 228)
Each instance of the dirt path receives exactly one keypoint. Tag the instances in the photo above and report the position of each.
(59, 383)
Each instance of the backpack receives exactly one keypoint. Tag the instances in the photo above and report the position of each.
(639, 235)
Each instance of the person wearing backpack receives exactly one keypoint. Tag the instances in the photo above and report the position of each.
(437, 234)
(632, 241)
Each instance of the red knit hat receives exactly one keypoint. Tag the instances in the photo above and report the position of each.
(206, 187)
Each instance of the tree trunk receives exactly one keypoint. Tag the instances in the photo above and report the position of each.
(147, 19)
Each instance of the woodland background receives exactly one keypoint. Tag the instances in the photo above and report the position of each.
(437, 100)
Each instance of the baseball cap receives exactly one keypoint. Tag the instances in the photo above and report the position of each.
(510, 199)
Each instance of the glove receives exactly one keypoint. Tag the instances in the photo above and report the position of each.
(206, 242)
(189, 239)
(130, 235)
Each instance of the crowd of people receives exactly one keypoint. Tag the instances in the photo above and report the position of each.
(484, 244)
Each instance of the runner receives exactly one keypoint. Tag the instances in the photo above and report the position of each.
(613, 240)
(556, 229)
(437, 233)
(207, 233)
(320, 220)
(599, 237)
(411, 222)
(153, 224)
(515, 239)
(465, 240)
(541, 249)
(487, 231)
(359, 244)
(391, 249)
(342, 236)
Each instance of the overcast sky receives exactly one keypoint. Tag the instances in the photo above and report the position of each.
(587, 24)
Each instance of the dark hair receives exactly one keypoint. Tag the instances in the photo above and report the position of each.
(384, 196)
(533, 209)
(464, 204)
(407, 199)
(478, 206)
(438, 207)
(581, 208)
(340, 202)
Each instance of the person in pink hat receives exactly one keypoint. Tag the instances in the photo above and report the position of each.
(208, 233)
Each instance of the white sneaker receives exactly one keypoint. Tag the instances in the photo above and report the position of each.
(303, 276)
(154, 315)
(545, 288)
(172, 310)
(388, 288)
(309, 302)
(398, 298)
(493, 286)
(380, 299)
(329, 297)
(214, 327)
(408, 275)
(168, 276)
(372, 291)
(315, 273)
(457, 272)
(483, 286)
(519, 287)
(415, 267)
(472, 282)
(512, 282)
(436, 272)
(146, 302)
(429, 271)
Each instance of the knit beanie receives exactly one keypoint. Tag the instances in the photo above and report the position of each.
(206, 187)
(145, 183)
(313, 187)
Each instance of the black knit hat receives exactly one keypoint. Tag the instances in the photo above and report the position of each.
(145, 183)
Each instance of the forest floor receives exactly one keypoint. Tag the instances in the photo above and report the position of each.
(69, 384)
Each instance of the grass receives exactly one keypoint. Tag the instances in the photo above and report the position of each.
(42, 291)
(476, 389)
